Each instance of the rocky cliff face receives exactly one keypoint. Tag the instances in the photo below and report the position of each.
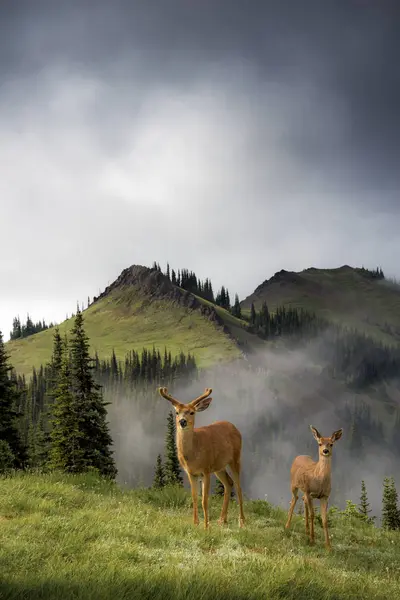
(156, 286)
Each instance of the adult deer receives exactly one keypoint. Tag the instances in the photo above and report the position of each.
(314, 479)
(206, 450)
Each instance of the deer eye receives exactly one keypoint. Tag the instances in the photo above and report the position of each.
(191, 412)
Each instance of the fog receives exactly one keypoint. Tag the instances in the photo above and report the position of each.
(272, 406)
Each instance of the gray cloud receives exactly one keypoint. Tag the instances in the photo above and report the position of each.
(244, 138)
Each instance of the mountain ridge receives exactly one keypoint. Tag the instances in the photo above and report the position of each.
(142, 307)
(354, 297)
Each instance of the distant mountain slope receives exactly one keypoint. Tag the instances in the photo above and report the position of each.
(142, 308)
(346, 295)
(139, 309)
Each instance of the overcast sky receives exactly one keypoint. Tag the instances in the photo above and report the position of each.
(232, 138)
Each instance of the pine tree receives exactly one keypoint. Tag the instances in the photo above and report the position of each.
(9, 430)
(159, 474)
(66, 451)
(16, 332)
(172, 466)
(363, 507)
(114, 367)
(236, 310)
(219, 489)
(38, 443)
(7, 458)
(265, 320)
(227, 300)
(252, 314)
(57, 356)
(53, 377)
(223, 297)
(168, 272)
(390, 510)
(29, 328)
(95, 436)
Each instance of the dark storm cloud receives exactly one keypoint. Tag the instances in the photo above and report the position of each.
(345, 48)
(271, 126)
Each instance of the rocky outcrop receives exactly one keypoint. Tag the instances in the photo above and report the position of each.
(156, 286)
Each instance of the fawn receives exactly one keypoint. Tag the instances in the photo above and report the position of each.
(314, 479)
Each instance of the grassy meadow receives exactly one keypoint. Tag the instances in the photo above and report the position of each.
(126, 320)
(83, 538)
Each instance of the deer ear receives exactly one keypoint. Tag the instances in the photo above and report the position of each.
(336, 435)
(203, 404)
(315, 433)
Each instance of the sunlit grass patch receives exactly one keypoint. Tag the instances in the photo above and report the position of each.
(82, 537)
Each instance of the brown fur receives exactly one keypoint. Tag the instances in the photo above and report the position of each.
(206, 450)
(314, 479)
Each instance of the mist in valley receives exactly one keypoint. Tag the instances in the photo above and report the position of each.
(272, 397)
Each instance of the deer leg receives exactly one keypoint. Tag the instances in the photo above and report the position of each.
(194, 485)
(310, 507)
(306, 516)
(227, 483)
(206, 491)
(324, 517)
(235, 468)
(295, 495)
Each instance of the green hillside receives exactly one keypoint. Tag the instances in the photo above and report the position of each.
(345, 295)
(78, 537)
(134, 316)
(143, 308)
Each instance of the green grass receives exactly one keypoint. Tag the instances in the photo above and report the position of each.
(236, 327)
(126, 320)
(78, 537)
(342, 295)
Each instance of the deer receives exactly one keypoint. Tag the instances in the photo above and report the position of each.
(206, 450)
(314, 480)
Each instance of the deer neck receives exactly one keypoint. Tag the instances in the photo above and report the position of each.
(323, 468)
(185, 441)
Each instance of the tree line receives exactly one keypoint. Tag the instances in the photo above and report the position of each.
(23, 330)
(57, 420)
(188, 280)
(349, 354)
(285, 321)
(146, 367)
(357, 358)
(371, 273)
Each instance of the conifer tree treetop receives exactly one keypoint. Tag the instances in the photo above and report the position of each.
(9, 431)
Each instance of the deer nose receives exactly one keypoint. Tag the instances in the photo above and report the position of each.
(183, 422)
(325, 451)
